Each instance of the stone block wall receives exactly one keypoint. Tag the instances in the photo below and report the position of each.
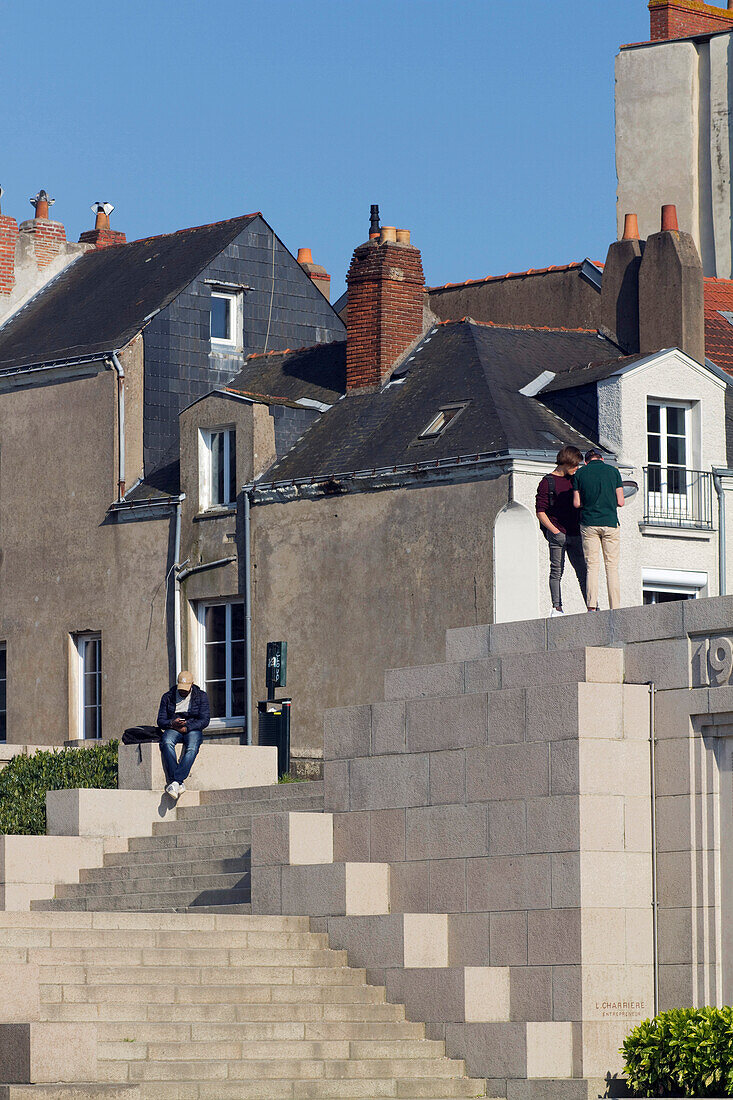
(503, 802)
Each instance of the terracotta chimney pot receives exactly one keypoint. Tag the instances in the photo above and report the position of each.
(631, 226)
(388, 234)
(41, 204)
(669, 219)
(305, 256)
(403, 236)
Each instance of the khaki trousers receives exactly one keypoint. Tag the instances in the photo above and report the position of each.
(608, 540)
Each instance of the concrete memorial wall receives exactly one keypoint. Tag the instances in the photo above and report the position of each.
(487, 852)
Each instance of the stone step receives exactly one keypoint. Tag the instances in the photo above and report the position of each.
(70, 1092)
(284, 1089)
(275, 1051)
(293, 1012)
(181, 975)
(143, 957)
(170, 855)
(163, 901)
(251, 1069)
(240, 834)
(312, 788)
(151, 884)
(157, 993)
(174, 868)
(317, 1089)
(103, 938)
(147, 1032)
(247, 807)
(187, 838)
(190, 922)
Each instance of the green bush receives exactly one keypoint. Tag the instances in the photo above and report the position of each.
(25, 780)
(683, 1052)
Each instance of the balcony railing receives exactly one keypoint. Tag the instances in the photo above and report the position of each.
(675, 497)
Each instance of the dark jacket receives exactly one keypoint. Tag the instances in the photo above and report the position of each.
(198, 716)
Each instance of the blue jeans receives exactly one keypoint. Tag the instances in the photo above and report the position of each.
(176, 770)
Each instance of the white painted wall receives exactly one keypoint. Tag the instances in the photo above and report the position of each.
(622, 427)
(516, 564)
(673, 106)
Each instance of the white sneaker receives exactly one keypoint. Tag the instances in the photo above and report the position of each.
(173, 789)
(181, 788)
(555, 612)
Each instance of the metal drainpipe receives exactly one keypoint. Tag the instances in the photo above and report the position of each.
(722, 580)
(177, 640)
(120, 425)
(655, 892)
(248, 615)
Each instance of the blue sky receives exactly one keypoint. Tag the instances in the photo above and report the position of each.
(483, 126)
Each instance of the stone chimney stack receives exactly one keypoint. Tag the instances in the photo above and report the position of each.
(8, 241)
(317, 274)
(620, 287)
(386, 287)
(684, 18)
(48, 238)
(671, 292)
(102, 236)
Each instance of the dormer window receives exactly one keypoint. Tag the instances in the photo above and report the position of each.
(442, 419)
(218, 468)
(224, 313)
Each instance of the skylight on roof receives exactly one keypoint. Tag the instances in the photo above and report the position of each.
(442, 419)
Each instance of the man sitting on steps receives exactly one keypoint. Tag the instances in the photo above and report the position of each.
(182, 717)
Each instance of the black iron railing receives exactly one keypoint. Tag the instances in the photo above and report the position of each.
(676, 497)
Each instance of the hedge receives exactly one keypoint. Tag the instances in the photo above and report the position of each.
(683, 1052)
(25, 780)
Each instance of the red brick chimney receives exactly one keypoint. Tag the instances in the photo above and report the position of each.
(8, 240)
(48, 236)
(317, 274)
(102, 236)
(684, 18)
(386, 287)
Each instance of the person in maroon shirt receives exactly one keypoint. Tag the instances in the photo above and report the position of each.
(560, 523)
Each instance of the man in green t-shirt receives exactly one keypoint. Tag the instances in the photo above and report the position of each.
(598, 492)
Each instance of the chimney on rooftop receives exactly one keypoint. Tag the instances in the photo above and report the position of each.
(386, 287)
(315, 272)
(48, 237)
(671, 292)
(620, 287)
(8, 241)
(102, 236)
(685, 18)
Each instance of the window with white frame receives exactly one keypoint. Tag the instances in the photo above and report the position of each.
(3, 692)
(224, 318)
(89, 703)
(667, 585)
(218, 483)
(222, 659)
(668, 447)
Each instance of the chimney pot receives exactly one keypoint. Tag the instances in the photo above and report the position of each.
(41, 203)
(631, 228)
(669, 219)
(102, 236)
(317, 274)
(374, 222)
(387, 234)
(403, 236)
(305, 256)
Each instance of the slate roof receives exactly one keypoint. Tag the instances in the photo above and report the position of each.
(584, 374)
(458, 361)
(317, 373)
(102, 300)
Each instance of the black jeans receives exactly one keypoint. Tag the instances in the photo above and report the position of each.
(560, 545)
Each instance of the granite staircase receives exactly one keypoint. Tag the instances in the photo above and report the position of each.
(199, 861)
(203, 1007)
